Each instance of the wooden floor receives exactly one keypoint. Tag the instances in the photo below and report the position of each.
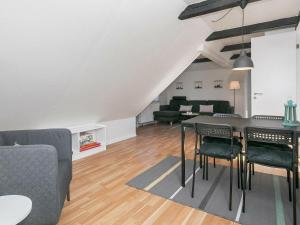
(99, 194)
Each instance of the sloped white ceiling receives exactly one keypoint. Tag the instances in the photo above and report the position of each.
(67, 62)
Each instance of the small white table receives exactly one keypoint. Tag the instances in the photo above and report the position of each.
(14, 209)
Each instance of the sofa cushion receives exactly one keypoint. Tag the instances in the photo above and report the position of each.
(167, 113)
(206, 108)
(220, 106)
(185, 108)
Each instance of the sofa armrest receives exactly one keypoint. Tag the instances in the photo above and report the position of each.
(32, 171)
(230, 109)
(61, 139)
(164, 107)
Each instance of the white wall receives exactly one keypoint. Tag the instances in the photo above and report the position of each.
(298, 71)
(208, 72)
(72, 62)
(119, 130)
(274, 73)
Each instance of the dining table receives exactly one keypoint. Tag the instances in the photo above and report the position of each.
(238, 125)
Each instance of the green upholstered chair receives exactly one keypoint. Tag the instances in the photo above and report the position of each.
(222, 146)
(268, 153)
(223, 115)
(282, 147)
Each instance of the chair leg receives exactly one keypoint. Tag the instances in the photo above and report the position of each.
(238, 170)
(241, 172)
(68, 195)
(204, 167)
(244, 185)
(295, 178)
(250, 176)
(206, 164)
(200, 161)
(194, 173)
(252, 168)
(214, 162)
(289, 184)
(230, 190)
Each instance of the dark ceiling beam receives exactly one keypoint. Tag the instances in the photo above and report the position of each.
(234, 47)
(202, 60)
(209, 6)
(255, 28)
(235, 56)
(298, 21)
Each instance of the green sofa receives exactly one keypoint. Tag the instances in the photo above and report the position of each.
(170, 113)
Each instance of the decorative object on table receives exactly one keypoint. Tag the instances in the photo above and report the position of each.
(234, 85)
(290, 116)
(198, 84)
(179, 85)
(243, 62)
(14, 208)
(218, 84)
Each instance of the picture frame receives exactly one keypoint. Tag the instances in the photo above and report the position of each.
(218, 84)
(179, 85)
(198, 84)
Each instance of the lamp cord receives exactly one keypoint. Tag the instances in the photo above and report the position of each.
(243, 23)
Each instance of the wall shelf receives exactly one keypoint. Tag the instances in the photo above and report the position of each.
(100, 134)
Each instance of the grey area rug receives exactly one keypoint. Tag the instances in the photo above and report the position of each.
(266, 204)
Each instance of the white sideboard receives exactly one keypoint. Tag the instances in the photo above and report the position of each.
(146, 116)
(98, 130)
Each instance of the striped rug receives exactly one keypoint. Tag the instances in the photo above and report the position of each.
(266, 204)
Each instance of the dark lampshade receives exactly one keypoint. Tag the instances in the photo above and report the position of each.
(243, 62)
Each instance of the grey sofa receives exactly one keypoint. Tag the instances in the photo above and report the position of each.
(39, 168)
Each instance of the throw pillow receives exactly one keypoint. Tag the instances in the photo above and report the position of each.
(206, 108)
(185, 108)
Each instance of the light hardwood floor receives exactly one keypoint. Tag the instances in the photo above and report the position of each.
(99, 194)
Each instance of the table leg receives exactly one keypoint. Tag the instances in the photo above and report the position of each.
(182, 156)
(297, 170)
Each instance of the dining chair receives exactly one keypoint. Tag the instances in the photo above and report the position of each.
(268, 155)
(225, 115)
(225, 147)
(264, 117)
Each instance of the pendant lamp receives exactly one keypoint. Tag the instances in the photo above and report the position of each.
(243, 62)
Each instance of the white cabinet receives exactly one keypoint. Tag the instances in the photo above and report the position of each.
(147, 115)
(99, 133)
(273, 79)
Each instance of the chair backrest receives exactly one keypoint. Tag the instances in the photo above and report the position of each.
(225, 115)
(267, 117)
(269, 135)
(214, 130)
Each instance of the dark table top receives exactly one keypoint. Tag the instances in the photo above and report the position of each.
(238, 124)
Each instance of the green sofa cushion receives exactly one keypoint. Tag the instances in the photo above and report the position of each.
(220, 149)
(167, 113)
(270, 156)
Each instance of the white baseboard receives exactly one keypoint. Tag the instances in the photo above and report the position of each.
(123, 138)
